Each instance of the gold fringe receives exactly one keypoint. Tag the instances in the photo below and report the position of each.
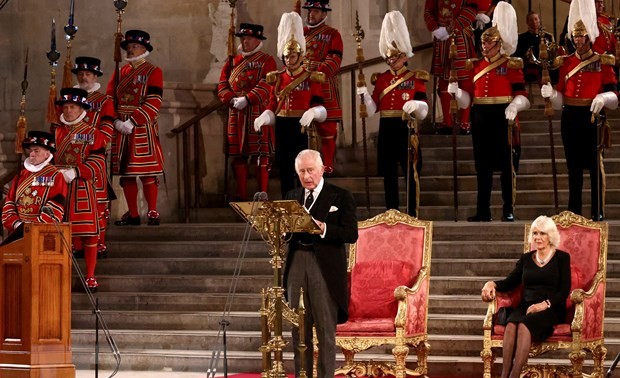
(22, 123)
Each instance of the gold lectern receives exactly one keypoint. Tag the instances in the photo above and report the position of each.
(35, 304)
(275, 221)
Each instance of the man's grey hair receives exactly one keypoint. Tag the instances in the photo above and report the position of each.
(309, 153)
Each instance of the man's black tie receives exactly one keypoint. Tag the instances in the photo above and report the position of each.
(309, 200)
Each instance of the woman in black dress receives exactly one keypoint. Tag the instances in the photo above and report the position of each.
(545, 275)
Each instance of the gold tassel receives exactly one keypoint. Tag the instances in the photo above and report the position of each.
(51, 116)
(67, 75)
(21, 134)
(117, 47)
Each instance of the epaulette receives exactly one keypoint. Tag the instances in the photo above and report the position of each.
(422, 75)
(317, 76)
(608, 59)
(515, 63)
(373, 78)
(272, 77)
(558, 61)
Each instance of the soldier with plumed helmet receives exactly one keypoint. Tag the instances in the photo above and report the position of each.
(397, 90)
(587, 85)
(498, 89)
(296, 98)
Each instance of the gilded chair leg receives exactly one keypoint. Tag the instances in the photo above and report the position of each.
(422, 351)
(488, 359)
(400, 353)
(349, 355)
(576, 359)
(598, 355)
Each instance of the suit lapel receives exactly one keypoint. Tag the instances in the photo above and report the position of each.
(323, 203)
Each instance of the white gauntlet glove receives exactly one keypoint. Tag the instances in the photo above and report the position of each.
(608, 100)
(441, 33)
(547, 91)
(239, 103)
(69, 174)
(317, 113)
(266, 118)
(462, 97)
(371, 107)
(518, 103)
(418, 108)
(481, 20)
(124, 127)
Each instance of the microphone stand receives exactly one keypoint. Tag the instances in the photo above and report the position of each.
(224, 323)
(94, 303)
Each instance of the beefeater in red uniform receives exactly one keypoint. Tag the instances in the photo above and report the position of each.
(136, 150)
(324, 49)
(81, 159)
(243, 88)
(443, 18)
(295, 100)
(498, 89)
(587, 85)
(40, 185)
(101, 115)
(397, 92)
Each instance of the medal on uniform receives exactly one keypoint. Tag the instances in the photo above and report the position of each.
(405, 96)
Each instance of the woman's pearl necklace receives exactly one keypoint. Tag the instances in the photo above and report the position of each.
(543, 261)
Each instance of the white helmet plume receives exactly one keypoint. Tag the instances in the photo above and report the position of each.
(505, 19)
(583, 10)
(394, 35)
(291, 28)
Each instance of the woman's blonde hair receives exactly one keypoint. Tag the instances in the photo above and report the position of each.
(546, 225)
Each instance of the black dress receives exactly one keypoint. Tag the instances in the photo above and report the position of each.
(551, 281)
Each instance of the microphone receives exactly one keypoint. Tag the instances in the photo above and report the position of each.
(260, 196)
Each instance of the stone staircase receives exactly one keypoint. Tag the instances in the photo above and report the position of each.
(163, 289)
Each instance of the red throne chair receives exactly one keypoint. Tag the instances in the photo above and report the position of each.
(582, 332)
(389, 276)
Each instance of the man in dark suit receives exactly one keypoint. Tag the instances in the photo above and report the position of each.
(318, 263)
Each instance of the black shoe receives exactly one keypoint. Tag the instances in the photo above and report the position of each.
(600, 218)
(480, 218)
(508, 217)
(444, 131)
(465, 131)
(153, 218)
(128, 220)
(102, 252)
(78, 253)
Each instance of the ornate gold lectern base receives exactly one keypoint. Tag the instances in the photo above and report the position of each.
(275, 221)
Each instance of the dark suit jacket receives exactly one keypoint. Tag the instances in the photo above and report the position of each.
(330, 251)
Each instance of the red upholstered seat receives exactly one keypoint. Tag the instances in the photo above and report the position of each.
(586, 241)
(389, 273)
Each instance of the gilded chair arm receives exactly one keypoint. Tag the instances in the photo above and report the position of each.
(589, 310)
(412, 312)
(509, 299)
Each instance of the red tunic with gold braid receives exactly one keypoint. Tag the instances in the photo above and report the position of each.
(324, 54)
(139, 97)
(500, 84)
(390, 100)
(81, 146)
(303, 96)
(32, 190)
(247, 79)
(605, 43)
(458, 15)
(583, 86)
(102, 113)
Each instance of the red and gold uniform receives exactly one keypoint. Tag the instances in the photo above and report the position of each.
(494, 83)
(246, 78)
(392, 89)
(582, 78)
(456, 16)
(102, 116)
(291, 95)
(139, 97)
(324, 49)
(29, 192)
(605, 43)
